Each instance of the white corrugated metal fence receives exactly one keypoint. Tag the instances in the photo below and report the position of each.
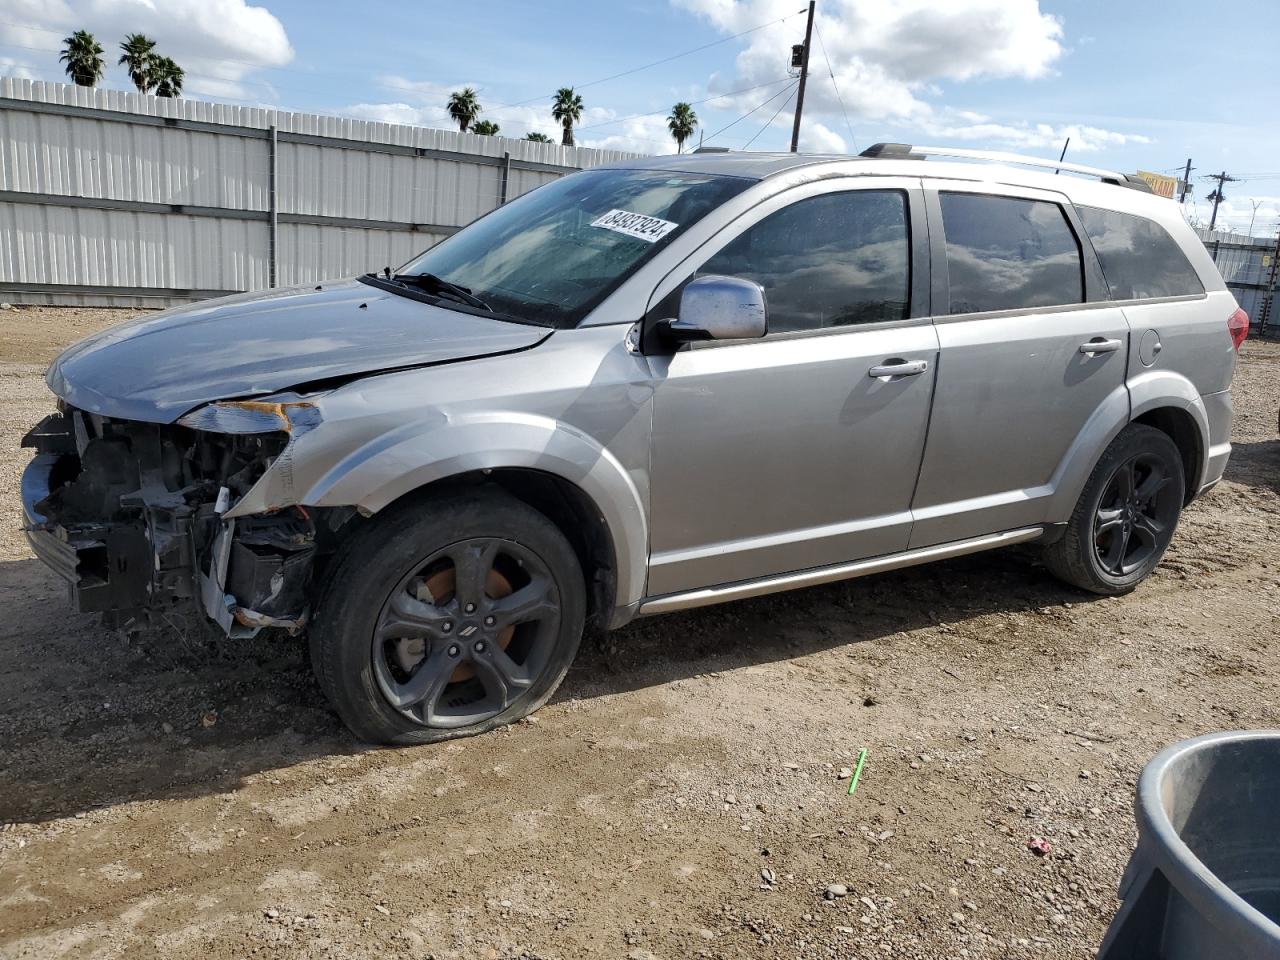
(114, 198)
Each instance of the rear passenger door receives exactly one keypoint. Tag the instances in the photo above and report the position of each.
(1030, 349)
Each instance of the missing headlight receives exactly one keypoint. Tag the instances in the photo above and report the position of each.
(253, 416)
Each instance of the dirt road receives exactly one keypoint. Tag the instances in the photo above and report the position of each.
(679, 798)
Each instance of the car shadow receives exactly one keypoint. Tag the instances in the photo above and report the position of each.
(785, 626)
(89, 718)
(1255, 464)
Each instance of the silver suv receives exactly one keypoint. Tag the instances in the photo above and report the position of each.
(642, 388)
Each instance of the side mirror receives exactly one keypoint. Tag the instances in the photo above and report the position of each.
(719, 308)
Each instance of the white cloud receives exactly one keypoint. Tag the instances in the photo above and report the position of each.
(388, 113)
(636, 134)
(220, 43)
(886, 55)
(891, 59)
(816, 138)
(964, 126)
(22, 69)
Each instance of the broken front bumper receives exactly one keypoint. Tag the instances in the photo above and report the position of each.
(130, 515)
(49, 542)
(106, 566)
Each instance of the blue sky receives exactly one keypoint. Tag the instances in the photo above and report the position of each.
(1134, 85)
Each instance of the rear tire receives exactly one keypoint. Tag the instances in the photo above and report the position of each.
(445, 617)
(1125, 517)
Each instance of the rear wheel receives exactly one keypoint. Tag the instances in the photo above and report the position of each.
(448, 617)
(1126, 515)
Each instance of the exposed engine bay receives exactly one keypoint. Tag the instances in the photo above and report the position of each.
(131, 515)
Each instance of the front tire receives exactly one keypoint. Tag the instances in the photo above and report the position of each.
(445, 617)
(1125, 517)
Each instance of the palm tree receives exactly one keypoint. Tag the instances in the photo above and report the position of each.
(682, 122)
(138, 57)
(464, 107)
(167, 77)
(567, 109)
(83, 57)
(485, 128)
(538, 137)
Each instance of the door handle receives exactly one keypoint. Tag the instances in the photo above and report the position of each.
(1100, 345)
(898, 368)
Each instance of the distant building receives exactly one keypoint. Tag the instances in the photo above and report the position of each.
(1248, 265)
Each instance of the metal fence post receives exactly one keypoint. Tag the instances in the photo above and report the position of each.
(273, 207)
(506, 175)
(1266, 318)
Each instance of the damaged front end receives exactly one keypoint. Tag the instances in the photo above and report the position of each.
(133, 514)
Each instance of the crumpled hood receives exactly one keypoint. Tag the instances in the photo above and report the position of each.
(158, 367)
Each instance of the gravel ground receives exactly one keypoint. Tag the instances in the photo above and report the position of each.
(681, 797)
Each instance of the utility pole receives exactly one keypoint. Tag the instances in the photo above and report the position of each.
(1186, 182)
(804, 75)
(1217, 196)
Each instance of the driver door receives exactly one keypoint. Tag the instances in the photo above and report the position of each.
(797, 450)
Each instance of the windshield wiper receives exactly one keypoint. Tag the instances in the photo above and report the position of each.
(436, 288)
(438, 285)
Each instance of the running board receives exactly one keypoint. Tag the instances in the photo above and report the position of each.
(844, 571)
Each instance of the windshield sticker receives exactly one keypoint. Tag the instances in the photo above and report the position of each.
(648, 229)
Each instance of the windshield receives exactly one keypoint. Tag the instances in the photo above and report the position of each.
(553, 254)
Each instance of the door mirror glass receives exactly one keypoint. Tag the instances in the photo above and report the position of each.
(719, 308)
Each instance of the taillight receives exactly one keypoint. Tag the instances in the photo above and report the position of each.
(1238, 327)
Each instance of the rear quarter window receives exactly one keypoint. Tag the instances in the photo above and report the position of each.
(1138, 257)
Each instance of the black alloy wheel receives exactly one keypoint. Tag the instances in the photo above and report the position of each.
(1135, 515)
(466, 633)
(1126, 515)
(447, 615)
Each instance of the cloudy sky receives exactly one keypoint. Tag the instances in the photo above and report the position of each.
(1133, 85)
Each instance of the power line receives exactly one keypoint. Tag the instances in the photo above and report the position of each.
(694, 103)
(677, 56)
(445, 115)
(272, 87)
(257, 65)
(521, 124)
(627, 73)
(769, 122)
(853, 141)
(751, 111)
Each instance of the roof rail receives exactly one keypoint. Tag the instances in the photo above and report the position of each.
(906, 151)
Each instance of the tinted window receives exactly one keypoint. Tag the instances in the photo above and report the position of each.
(1004, 253)
(827, 261)
(1138, 256)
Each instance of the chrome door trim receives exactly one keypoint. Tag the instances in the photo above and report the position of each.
(842, 571)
